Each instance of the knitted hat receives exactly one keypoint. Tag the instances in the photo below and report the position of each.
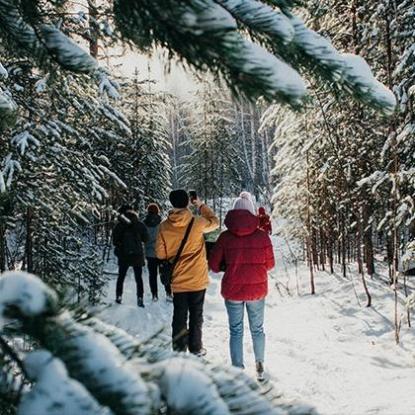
(153, 209)
(179, 198)
(244, 202)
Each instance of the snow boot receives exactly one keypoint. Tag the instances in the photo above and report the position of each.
(202, 352)
(118, 300)
(260, 375)
(140, 302)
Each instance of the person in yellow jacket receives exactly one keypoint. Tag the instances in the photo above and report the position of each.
(190, 276)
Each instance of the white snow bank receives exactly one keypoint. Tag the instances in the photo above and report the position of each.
(26, 292)
(54, 393)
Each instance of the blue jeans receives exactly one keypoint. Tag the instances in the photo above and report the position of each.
(255, 311)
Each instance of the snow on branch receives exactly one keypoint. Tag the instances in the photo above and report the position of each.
(54, 392)
(261, 17)
(27, 293)
(66, 52)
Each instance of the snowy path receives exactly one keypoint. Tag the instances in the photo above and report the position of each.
(326, 350)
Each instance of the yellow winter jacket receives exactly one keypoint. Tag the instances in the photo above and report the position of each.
(191, 271)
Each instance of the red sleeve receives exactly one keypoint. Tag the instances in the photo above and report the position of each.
(269, 255)
(217, 255)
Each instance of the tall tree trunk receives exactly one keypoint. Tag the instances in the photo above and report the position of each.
(2, 246)
(93, 28)
(359, 254)
(308, 244)
(29, 239)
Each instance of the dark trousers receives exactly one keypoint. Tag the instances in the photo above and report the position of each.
(188, 305)
(152, 264)
(122, 272)
(153, 268)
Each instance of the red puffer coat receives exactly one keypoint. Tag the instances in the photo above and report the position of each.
(248, 255)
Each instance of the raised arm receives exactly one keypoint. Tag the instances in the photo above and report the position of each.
(209, 220)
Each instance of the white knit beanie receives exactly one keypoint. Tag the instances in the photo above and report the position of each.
(244, 202)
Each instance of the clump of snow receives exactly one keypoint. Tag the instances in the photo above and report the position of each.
(352, 69)
(23, 140)
(41, 84)
(3, 71)
(2, 183)
(261, 17)
(317, 47)
(66, 51)
(188, 390)
(407, 261)
(54, 393)
(282, 79)
(26, 292)
(212, 18)
(105, 371)
(359, 72)
(108, 86)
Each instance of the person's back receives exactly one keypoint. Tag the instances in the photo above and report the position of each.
(249, 255)
(246, 253)
(128, 237)
(264, 221)
(190, 275)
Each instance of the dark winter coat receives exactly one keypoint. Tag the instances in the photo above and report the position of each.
(264, 221)
(152, 222)
(248, 255)
(128, 237)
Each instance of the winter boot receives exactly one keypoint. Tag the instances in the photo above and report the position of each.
(140, 302)
(260, 375)
(155, 298)
(202, 352)
(118, 300)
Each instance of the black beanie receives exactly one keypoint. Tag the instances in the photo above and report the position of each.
(179, 198)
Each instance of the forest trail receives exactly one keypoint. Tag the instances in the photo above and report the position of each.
(327, 350)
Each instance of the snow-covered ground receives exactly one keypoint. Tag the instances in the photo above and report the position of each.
(327, 350)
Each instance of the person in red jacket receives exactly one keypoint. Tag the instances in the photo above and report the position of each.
(247, 255)
(264, 221)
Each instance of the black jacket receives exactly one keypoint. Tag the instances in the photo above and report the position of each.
(128, 237)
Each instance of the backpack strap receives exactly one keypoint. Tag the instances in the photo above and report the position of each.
(183, 243)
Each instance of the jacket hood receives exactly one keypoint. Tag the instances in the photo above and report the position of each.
(261, 211)
(152, 220)
(128, 218)
(241, 222)
(180, 217)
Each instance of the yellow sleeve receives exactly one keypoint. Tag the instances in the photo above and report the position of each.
(161, 251)
(208, 219)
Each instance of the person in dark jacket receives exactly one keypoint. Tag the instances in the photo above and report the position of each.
(128, 237)
(152, 222)
(246, 253)
(264, 221)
